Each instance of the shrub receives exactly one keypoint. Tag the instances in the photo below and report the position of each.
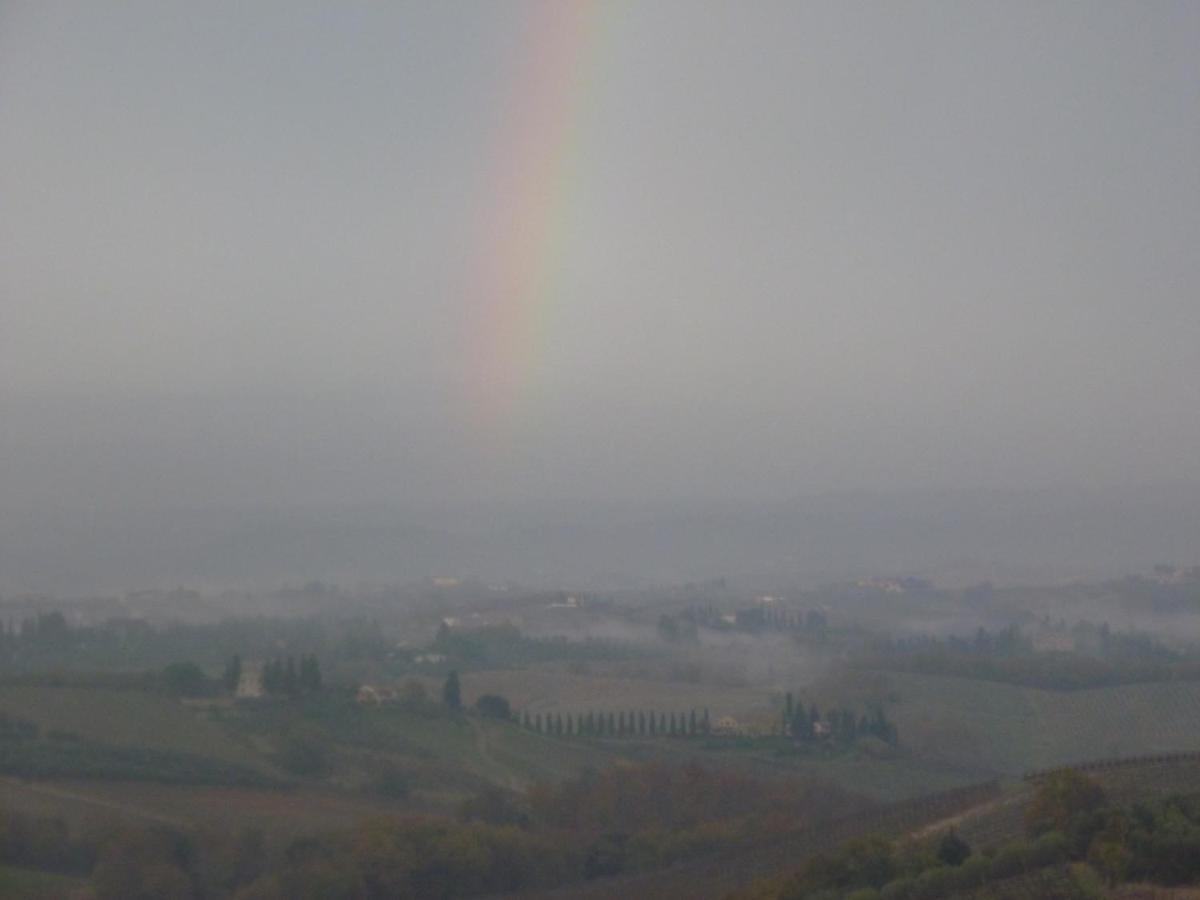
(186, 679)
(494, 707)
(392, 782)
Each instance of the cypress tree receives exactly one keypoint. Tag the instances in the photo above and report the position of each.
(233, 673)
(452, 692)
(291, 681)
(801, 727)
(318, 681)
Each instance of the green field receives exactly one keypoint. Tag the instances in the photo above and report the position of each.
(552, 689)
(127, 718)
(953, 731)
(280, 814)
(29, 884)
(489, 750)
(1005, 729)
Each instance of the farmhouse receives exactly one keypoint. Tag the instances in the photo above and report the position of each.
(727, 725)
(375, 695)
(249, 686)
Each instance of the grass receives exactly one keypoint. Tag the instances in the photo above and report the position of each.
(488, 749)
(556, 689)
(1008, 729)
(30, 884)
(127, 718)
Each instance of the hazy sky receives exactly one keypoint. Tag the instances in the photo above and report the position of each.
(279, 251)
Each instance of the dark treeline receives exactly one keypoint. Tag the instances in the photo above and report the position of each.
(506, 645)
(1167, 590)
(48, 642)
(1004, 642)
(1101, 658)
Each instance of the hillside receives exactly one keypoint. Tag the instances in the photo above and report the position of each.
(1008, 730)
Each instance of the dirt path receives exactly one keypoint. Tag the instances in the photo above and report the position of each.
(958, 819)
(59, 793)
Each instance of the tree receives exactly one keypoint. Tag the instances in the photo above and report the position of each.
(452, 692)
(801, 725)
(1111, 858)
(953, 850)
(310, 675)
(291, 680)
(1059, 798)
(233, 674)
(185, 679)
(271, 677)
(493, 706)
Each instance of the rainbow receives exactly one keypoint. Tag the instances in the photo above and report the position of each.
(523, 249)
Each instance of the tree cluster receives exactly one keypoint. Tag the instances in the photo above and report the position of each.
(840, 725)
(1074, 839)
(283, 677)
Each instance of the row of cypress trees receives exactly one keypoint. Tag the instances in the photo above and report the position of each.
(634, 723)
